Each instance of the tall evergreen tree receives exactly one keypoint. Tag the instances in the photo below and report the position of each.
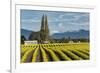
(46, 29)
(42, 31)
(42, 23)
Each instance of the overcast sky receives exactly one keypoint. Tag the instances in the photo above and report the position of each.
(57, 21)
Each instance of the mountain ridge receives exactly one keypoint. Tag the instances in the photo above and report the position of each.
(72, 34)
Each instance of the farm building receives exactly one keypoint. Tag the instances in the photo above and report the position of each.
(31, 42)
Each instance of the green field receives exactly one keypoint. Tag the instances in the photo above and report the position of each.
(54, 52)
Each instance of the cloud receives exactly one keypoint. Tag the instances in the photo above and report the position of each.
(30, 20)
(61, 16)
(58, 21)
(70, 17)
(60, 25)
(54, 31)
(78, 23)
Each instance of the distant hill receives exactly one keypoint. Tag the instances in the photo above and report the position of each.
(73, 35)
(26, 33)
